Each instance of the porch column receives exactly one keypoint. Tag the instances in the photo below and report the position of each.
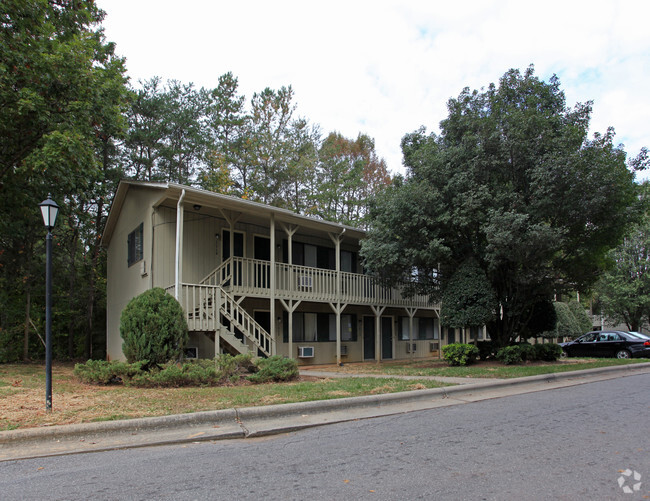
(291, 307)
(337, 244)
(411, 313)
(377, 310)
(178, 270)
(272, 291)
(338, 309)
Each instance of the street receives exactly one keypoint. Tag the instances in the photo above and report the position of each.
(571, 443)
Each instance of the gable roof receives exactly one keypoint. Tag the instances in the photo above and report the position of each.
(171, 192)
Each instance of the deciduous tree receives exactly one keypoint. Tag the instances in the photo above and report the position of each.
(513, 182)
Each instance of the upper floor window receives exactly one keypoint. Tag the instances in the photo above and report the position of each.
(135, 246)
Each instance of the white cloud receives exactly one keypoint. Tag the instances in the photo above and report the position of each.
(386, 67)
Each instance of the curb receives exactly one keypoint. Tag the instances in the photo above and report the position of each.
(279, 418)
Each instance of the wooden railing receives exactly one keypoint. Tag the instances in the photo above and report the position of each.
(203, 306)
(253, 277)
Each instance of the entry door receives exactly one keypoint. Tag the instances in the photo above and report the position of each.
(386, 337)
(368, 338)
(262, 252)
(238, 251)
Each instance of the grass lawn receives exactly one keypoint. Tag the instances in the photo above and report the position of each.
(22, 396)
(488, 369)
(22, 390)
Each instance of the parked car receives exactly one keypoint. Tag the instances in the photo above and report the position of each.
(618, 344)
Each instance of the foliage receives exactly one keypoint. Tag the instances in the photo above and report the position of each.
(460, 354)
(103, 372)
(153, 328)
(583, 320)
(349, 173)
(62, 93)
(512, 182)
(467, 299)
(275, 368)
(222, 370)
(510, 355)
(624, 289)
(527, 351)
(567, 326)
(548, 351)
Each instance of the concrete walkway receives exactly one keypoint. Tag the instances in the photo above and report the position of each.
(253, 422)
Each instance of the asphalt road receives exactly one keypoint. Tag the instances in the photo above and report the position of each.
(572, 443)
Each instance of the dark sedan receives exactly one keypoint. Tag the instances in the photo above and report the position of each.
(616, 344)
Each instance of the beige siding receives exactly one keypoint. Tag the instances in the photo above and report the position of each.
(199, 246)
(125, 282)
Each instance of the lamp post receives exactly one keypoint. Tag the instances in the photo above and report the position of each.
(49, 209)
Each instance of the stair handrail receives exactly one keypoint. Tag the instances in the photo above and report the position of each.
(224, 270)
(243, 320)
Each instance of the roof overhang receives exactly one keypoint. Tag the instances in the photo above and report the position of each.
(170, 193)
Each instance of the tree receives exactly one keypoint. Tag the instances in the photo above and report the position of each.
(624, 289)
(467, 299)
(61, 100)
(349, 174)
(513, 182)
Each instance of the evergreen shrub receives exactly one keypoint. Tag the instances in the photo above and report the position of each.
(275, 368)
(153, 328)
(460, 354)
(528, 352)
(510, 355)
(548, 351)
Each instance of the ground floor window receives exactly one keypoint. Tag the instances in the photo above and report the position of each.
(423, 328)
(318, 327)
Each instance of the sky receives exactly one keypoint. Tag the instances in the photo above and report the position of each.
(385, 68)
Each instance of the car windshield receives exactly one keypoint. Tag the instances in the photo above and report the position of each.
(638, 335)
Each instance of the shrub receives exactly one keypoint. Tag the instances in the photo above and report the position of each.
(229, 367)
(510, 355)
(103, 372)
(527, 351)
(275, 368)
(153, 328)
(460, 354)
(548, 351)
(176, 375)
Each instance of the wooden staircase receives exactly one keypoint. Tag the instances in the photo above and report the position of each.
(209, 308)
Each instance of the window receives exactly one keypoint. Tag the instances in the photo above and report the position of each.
(135, 246)
(423, 328)
(319, 327)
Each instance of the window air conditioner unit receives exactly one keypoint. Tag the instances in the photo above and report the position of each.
(344, 350)
(411, 347)
(305, 281)
(191, 353)
(433, 346)
(305, 352)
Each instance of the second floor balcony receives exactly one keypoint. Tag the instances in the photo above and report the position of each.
(252, 277)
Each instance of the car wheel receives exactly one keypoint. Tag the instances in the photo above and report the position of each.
(623, 354)
(564, 354)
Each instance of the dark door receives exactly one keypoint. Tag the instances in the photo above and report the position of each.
(386, 337)
(238, 251)
(262, 252)
(368, 338)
